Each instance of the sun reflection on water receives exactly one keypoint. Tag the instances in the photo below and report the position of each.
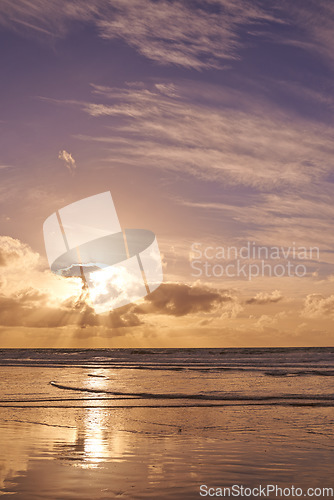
(95, 432)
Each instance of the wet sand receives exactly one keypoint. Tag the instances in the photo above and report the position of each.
(63, 445)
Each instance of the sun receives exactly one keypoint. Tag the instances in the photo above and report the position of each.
(111, 287)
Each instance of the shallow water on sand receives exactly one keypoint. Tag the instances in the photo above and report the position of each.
(103, 431)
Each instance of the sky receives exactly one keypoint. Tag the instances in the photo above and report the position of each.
(211, 123)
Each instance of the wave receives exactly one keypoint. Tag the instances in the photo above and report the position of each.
(38, 423)
(299, 373)
(124, 353)
(269, 361)
(276, 370)
(202, 397)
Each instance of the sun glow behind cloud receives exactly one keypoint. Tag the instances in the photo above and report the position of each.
(113, 285)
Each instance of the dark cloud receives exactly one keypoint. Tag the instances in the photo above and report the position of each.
(178, 299)
(122, 319)
(30, 308)
(22, 310)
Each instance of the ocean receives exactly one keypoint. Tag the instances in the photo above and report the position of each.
(164, 423)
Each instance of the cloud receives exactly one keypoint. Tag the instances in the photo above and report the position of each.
(179, 299)
(40, 309)
(42, 17)
(196, 35)
(266, 298)
(178, 33)
(266, 322)
(120, 318)
(68, 159)
(33, 297)
(258, 146)
(30, 307)
(15, 254)
(193, 35)
(168, 89)
(29, 294)
(316, 19)
(318, 306)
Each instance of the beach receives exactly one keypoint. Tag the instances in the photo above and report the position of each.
(162, 423)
